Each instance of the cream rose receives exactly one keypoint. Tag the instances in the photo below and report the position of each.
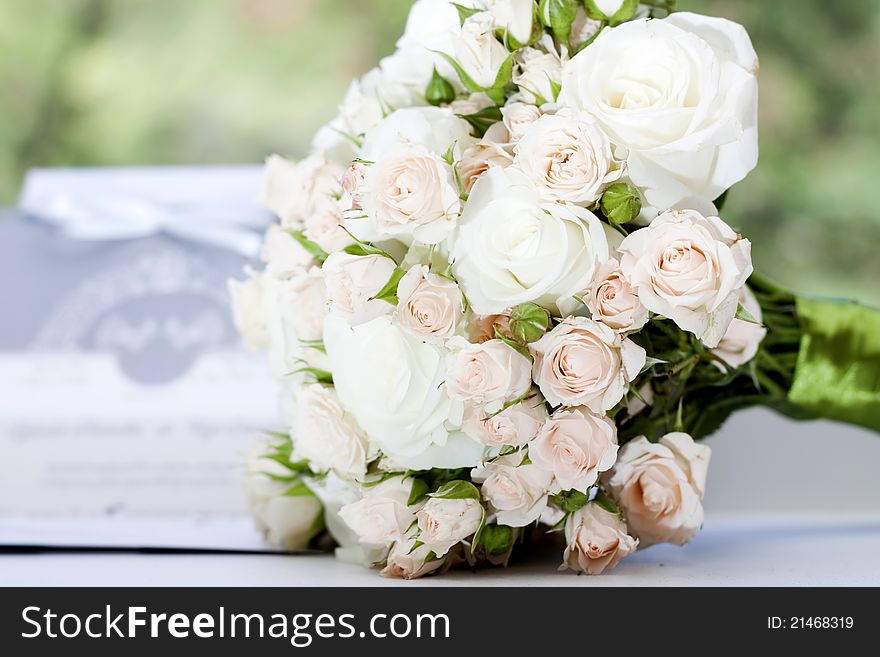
(575, 446)
(512, 247)
(517, 117)
(612, 301)
(429, 306)
(583, 362)
(478, 159)
(660, 487)
(409, 560)
(516, 493)
(411, 192)
(249, 310)
(538, 73)
(382, 516)
(567, 157)
(325, 434)
(293, 190)
(743, 339)
(513, 16)
(477, 50)
(326, 228)
(689, 268)
(391, 382)
(516, 425)
(680, 95)
(488, 374)
(352, 281)
(597, 540)
(282, 254)
(303, 305)
(444, 523)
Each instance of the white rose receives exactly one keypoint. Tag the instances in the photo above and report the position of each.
(613, 301)
(512, 248)
(660, 487)
(282, 254)
(293, 190)
(391, 382)
(477, 50)
(352, 282)
(325, 435)
(743, 339)
(411, 191)
(489, 374)
(429, 306)
(513, 16)
(326, 228)
(689, 268)
(516, 425)
(295, 309)
(567, 157)
(382, 516)
(432, 26)
(538, 74)
(583, 29)
(248, 310)
(474, 103)
(362, 109)
(288, 521)
(596, 540)
(409, 560)
(478, 159)
(583, 362)
(575, 446)
(516, 493)
(444, 523)
(680, 94)
(434, 128)
(517, 117)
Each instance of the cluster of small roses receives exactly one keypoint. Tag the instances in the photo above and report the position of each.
(454, 296)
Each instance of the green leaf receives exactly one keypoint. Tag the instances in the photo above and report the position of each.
(513, 344)
(496, 539)
(466, 79)
(465, 12)
(457, 490)
(311, 248)
(389, 290)
(483, 120)
(603, 501)
(504, 75)
(571, 500)
(317, 345)
(556, 87)
(439, 91)
(418, 493)
(449, 155)
(745, 315)
(299, 490)
(361, 248)
(321, 376)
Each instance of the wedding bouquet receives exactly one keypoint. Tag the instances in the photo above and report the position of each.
(501, 299)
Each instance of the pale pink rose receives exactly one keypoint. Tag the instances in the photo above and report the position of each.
(742, 339)
(412, 192)
(613, 302)
(515, 492)
(382, 516)
(489, 374)
(325, 227)
(517, 117)
(689, 268)
(514, 426)
(597, 540)
(583, 362)
(576, 446)
(353, 183)
(481, 328)
(408, 560)
(430, 306)
(443, 523)
(660, 487)
(567, 157)
(293, 190)
(478, 159)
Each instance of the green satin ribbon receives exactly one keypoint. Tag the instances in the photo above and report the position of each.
(838, 367)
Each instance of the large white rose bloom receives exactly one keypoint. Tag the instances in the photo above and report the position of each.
(680, 94)
(512, 247)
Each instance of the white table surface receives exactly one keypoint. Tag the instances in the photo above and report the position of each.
(730, 551)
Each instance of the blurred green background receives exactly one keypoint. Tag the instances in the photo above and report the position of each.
(114, 82)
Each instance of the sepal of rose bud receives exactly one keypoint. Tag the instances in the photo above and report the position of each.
(558, 15)
(529, 322)
(621, 203)
(612, 11)
(439, 91)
